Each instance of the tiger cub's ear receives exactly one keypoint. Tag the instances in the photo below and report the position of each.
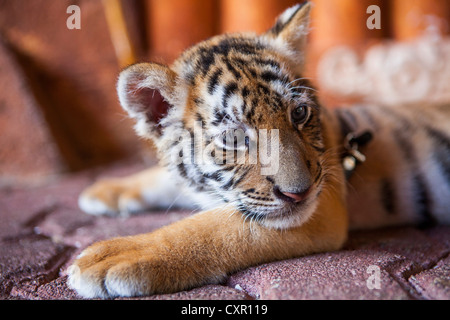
(147, 92)
(292, 27)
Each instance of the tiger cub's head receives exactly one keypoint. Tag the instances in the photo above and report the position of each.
(234, 117)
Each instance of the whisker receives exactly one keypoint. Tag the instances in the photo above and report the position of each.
(298, 79)
(302, 87)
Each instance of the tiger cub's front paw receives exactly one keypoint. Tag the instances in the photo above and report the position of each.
(111, 197)
(120, 267)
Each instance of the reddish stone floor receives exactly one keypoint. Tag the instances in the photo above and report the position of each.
(42, 230)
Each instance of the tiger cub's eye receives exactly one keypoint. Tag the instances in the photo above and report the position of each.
(299, 114)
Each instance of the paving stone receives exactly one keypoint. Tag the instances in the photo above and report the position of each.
(25, 208)
(56, 290)
(59, 290)
(22, 209)
(210, 292)
(434, 283)
(422, 249)
(26, 263)
(336, 275)
(414, 244)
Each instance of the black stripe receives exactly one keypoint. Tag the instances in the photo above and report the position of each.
(226, 169)
(192, 145)
(240, 45)
(263, 89)
(223, 48)
(228, 185)
(182, 170)
(216, 176)
(266, 62)
(440, 138)
(270, 180)
(263, 199)
(308, 164)
(421, 194)
(269, 76)
(319, 173)
(218, 117)
(230, 89)
(347, 121)
(200, 119)
(251, 112)
(214, 80)
(206, 60)
(402, 138)
(244, 107)
(405, 124)
(277, 101)
(405, 146)
(199, 101)
(279, 26)
(247, 213)
(208, 55)
(423, 201)
(245, 92)
(232, 69)
(441, 154)
(199, 188)
(387, 194)
(319, 149)
(365, 112)
(241, 62)
(241, 177)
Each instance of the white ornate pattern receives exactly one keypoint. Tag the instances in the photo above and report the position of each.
(391, 72)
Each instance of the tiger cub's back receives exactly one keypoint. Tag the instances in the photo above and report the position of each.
(406, 175)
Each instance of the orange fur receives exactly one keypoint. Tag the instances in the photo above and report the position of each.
(208, 246)
(254, 82)
(205, 248)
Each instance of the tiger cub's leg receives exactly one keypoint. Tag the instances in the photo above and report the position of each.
(200, 249)
(151, 188)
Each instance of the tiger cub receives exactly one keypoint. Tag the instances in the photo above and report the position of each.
(241, 133)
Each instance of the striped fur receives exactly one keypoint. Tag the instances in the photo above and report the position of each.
(405, 179)
(252, 83)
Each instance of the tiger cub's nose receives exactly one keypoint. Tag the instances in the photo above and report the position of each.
(290, 196)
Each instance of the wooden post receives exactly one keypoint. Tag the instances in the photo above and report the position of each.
(251, 15)
(344, 22)
(174, 25)
(119, 33)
